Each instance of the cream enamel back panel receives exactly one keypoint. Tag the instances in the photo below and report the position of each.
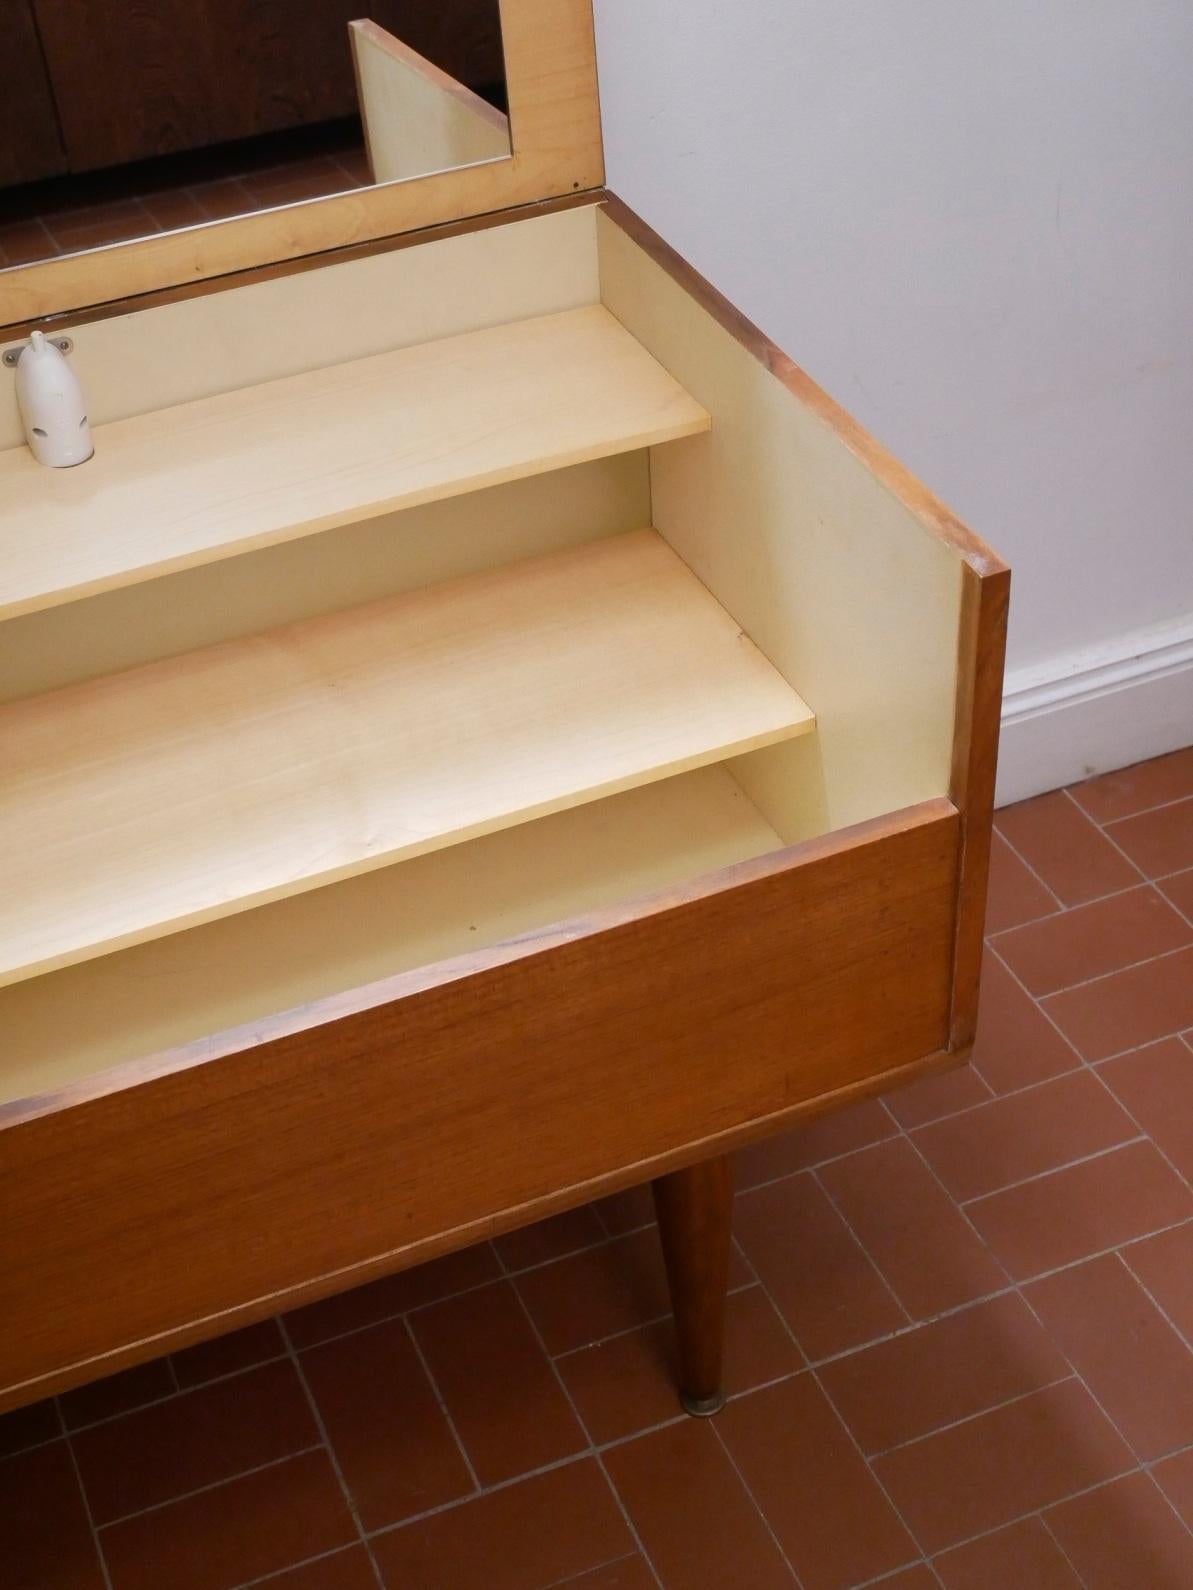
(223, 340)
(322, 573)
(834, 579)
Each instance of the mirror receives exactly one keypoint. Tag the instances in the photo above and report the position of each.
(125, 121)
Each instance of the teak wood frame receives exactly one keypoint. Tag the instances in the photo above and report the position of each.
(555, 130)
(661, 1037)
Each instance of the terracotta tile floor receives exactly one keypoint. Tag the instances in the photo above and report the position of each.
(959, 1336)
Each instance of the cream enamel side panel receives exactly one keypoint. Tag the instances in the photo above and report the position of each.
(150, 801)
(240, 336)
(834, 579)
(245, 968)
(417, 118)
(323, 573)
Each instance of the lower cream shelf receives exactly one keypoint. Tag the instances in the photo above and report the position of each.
(147, 802)
(158, 996)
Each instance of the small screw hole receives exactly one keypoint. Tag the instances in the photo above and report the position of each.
(82, 422)
(37, 431)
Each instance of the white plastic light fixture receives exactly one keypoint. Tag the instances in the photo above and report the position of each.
(52, 408)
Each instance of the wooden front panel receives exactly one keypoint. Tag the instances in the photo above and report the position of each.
(242, 1168)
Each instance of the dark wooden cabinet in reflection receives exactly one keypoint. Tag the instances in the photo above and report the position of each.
(116, 81)
(29, 143)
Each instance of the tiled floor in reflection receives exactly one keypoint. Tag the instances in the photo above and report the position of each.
(114, 206)
(959, 1337)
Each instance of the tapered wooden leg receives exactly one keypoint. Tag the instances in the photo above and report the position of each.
(695, 1207)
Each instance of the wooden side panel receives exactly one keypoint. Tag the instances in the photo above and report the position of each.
(417, 118)
(981, 654)
(348, 1133)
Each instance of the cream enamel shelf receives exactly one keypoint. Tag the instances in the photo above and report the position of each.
(145, 802)
(209, 479)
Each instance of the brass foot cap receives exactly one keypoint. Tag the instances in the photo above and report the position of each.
(703, 1407)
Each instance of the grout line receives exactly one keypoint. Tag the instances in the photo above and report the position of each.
(34, 1446)
(1055, 1170)
(1185, 916)
(1023, 1518)
(575, 1578)
(1164, 1496)
(1125, 817)
(1149, 1469)
(1051, 1533)
(1105, 828)
(587, 1434)
(1102, 977)
(175, 1396)
(1110, 840)
(915, 1325)
(1154, 1301)
(782, 1318)
(742, 1255)
(1113, 1423)
(1077, 905)
(870, 1260)
(619, 1503)
(969, 1418)
(1097, 1401)
(87, 1513)
(477, 1487)
(333, 1458)
(212, 1485)
(997, 1098)
(870, 1469)
(757, 1505)
(829, 1159)
(769, 1385)
(639, 1325)
(1022, 859)
(1093, 1067)
(1010, 1290)
(472, 1497)
(893, 1573)
(823, 1391)
(275, 1574)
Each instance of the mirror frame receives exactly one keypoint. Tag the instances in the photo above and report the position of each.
(555, 133)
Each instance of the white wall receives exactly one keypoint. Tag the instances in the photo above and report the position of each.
(972, 222)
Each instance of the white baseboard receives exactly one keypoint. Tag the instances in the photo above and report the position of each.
(1093, 711)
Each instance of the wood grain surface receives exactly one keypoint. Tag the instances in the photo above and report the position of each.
(381, 1122)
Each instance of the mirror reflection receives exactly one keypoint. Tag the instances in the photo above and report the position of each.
(122, 119)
